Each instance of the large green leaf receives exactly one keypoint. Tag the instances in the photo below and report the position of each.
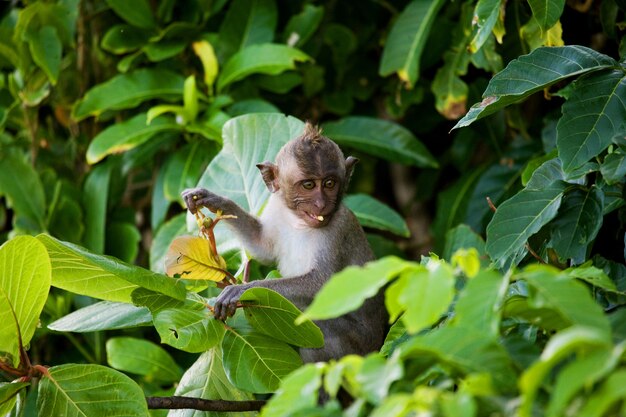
(480, 303)
(248, 22)
(272, 314)
(593, 115)
(567, 297)
(485, 17)
(299, 390)
(142, 357)
(137, 13)
(373, 213)
(25, 196)
(577, 224)
(24, 285)
(347, 290)
(121, 137)
(396, 144)
(185, 167)
(405, 44)
(77, 270)
(558, 348)
(583, 372)
(128, 90)
(534, 72)
(610, 393)
(9, 392)
(46, 49)
(422, 293)
(466, 351)
(520, 217)
(248, 140)
(104, 315)
(255, 362)
(95, 200)
(207, 379)
(546, 12)
(89, 390)
(188, 330)
(266, 58)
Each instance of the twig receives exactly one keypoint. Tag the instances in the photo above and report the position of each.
(491, 205)
(178, 403)
(534, 254)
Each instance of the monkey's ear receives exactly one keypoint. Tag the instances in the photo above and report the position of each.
(269, 172)
(351, 161)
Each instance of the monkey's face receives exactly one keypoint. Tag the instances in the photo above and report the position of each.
(314, 199)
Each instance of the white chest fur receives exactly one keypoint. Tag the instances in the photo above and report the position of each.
(294, 245)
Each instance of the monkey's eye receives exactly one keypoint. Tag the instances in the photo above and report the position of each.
(308, 184)
(329, 183)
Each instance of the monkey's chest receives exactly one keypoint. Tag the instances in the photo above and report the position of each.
(297, 251)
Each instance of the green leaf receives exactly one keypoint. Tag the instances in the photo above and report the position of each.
(546, 12)
(592, 275)
(142, 357)
(272, 314)
(176, 226)
(577, 224)
(373, 213)
(466, 351)
(298, 391)
(77, 270)
(569, 298)
(585, 371)
(188, 330)
(480, 303)
(185, 168)
(593, 115)
(423, 293)
(207, 379)
(611, 392)
(462, 237)
(347, 290)
(248, 22)
(485, 17)
(534, 72)
(518, 218)
(407, 38)
(121, 137)
(613, 167)
(398, 144)
(122, 39)
(126, 91)
(46, 50)
(248, 140)
(266, 58)
(122, 241)
(377, 374)
(137, 13)
(255, 362)
(89, 390)
(95, 200)
(104, 315)
(303, 25)
(559, 347)
(25, 196)
(9, 392)
(24, 286)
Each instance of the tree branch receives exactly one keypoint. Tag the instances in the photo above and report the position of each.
(177, 403)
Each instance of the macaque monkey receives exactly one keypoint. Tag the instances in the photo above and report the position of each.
(310, 234)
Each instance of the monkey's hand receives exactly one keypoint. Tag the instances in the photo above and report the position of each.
(226, 302)
(201, 197)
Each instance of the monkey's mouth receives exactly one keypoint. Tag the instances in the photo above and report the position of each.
(317, 218)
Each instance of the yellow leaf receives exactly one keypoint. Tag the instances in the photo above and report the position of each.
(468, 260)
(205, 52)
(554, 36)
(190, 257)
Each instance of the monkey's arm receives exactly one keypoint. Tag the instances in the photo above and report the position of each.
(299, 290)
(245, 225)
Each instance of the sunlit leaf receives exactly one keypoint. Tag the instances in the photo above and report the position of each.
(104, 315)
(142, 357)
(204, 50)
(484, 20)
(191, 257)
(299, 390)
(188, 330)
(24, 285)
(89, 390)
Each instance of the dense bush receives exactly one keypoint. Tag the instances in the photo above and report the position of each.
(109, 109)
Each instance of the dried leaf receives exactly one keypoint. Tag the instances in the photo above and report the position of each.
(190, 257)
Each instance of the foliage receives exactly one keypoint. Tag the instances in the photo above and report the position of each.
(110, 108)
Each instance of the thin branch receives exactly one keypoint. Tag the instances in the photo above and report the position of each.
(179, 403)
